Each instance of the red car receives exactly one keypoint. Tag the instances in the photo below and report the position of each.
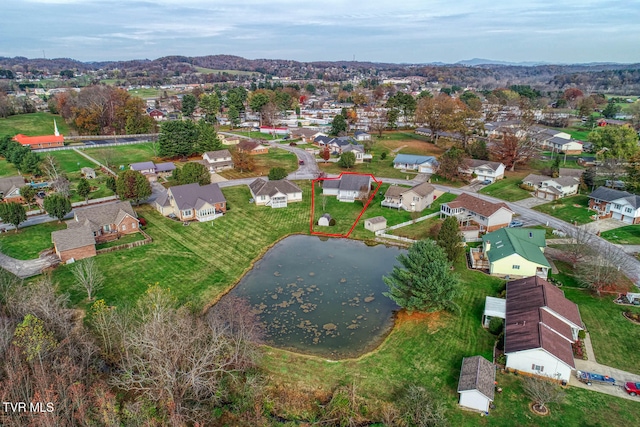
(632, 388)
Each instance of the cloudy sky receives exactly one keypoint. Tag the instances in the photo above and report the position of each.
(400, 31)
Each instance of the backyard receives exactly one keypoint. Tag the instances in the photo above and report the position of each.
(572, 209)
(29, 241)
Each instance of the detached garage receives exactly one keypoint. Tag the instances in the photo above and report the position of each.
(376, 223)
(477, 383)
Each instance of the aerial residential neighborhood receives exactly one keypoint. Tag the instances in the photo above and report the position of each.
(377, 234)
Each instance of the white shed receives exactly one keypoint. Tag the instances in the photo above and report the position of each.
(493, 307)
(375, 224)
(477, 383)
(324, 220)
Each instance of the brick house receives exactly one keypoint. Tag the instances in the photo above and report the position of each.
(616, 204)
(74, 243)
(252, 147)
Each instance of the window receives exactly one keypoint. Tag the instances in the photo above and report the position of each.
(538, 368)
(628, 210)
(186, 213)
(416, 199)
(133, 225)
(516, 267)
(124, 227)
(617, 206)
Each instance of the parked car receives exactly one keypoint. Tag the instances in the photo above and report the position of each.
(41, 194)
(590, 377)
(486, 182)
(286, 137)
(516, 223)
(632, 388)
(301, 162)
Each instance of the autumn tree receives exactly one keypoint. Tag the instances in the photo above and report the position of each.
(132, 185)
(618, 142)
(450, 239)
(57, 205)
(13, 213)
(243, 161)
(325, 153)
(478, 150)
(632, 180)
(192, 172)
(420, 407)
(425, 281)
(88, 277)
(600, 267)
(453, 164)
(542, 391)
(513, 150)
(347, 160)
(55, 175)
(83, 189)
(28, 193)
(440, 114)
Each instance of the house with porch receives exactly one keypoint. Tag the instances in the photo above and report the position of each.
(217, 161)
(10, 189)
(358, 151)
(414, 199)
(476, 215)
(152, 170)
(548, 188)
(484, 169)
(276, 194)
(192, 202)
(423, 164)
(616, 204)
(347, 187)
(513, 253)
(540, 326)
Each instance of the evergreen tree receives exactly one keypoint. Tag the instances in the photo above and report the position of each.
(210, 105)
(192, 172)
(555, 167)
(207, 138)
(13, 213)
(189, 104)
(478, 150)
(277, 173)
(425, 281)
(83, 189)
(450, 239)
(111, 183)
(178, 139)
(132, 185)
(347, 160)
(57, 205)
(30, 164)
(339, 125)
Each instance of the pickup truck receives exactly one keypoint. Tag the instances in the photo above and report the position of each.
(589, 378)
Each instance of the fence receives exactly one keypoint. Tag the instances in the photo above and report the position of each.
(104, 137)
(382, 233)
(146, 241)
(82, 147)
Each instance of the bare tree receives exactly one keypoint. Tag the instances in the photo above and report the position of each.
(580, 242)
(543, 391)
(421, 408)
(108, 156)
(58, 181)
(88, 277)
(601, 268)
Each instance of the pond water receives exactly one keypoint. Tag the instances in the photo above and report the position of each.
(322, 296)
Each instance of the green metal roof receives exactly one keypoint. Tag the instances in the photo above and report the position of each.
(525, 242)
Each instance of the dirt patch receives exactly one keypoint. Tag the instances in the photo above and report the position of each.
(431, 319)
(541, 411)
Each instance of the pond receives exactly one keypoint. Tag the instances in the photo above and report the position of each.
(322, 296)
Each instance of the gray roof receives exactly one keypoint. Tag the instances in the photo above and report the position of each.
(412, 159)
(165, 167)
(477, 373)
(11, 183)
(87, 170)
(194, 196)
(350, 182)
(377, 220)
(142, 166)
(95, 217)
(474, 163)
(423, 189)
(353, 147)
(262, 187)
(73, 238)
(395, 191)
(218, 154)
(609, 194)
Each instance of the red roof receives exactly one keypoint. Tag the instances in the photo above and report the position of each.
(33, 140)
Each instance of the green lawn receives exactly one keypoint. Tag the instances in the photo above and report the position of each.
(146, 92)
(506, 189)
(276, 158)
(7, 169)
(98, 186)
(29, 241)
(629, 235)
(570, 209)
(198, 262)
(32, 124)
(376, 167)
(576, 132)
(70, 161)
(345, 214)
(123, 155)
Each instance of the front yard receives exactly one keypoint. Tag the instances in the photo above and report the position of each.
(629, 235)
(29, 241)
(571, 209)
(506, 189)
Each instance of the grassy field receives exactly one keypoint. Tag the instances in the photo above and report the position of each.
(29, 241)
(570, 209)
(629, 235)
(33, 124)
(123, 154)
(506, 189)
(276, 158)
(345, 214)
(7, 169)
(98, 186)
(70, 161)
(146, 92)
(576, 132)
(127, 238)
(198, 262)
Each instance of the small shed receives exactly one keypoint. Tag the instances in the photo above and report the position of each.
(477, 383)
(88, 173)
(633, 298)
(493, 307)
(324, 220)
(375, 224)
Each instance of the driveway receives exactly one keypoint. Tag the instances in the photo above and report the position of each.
(531, 202)
(28, 268)
(603, 225)
(591, 365)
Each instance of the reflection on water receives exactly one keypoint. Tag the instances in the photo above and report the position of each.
(322, 296)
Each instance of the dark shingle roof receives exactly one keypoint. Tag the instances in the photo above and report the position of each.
(100, 215)
(165, 167)
(474, 163)
(73, 238)
(142, 166)
(608, 194)
(477, 373)
(477, 205)
(218, 154)
(193, 196)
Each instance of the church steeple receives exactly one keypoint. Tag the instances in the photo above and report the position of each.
(55, 128)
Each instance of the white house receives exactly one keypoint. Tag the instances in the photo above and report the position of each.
(477, 383)
(358, 151)
(616, 204)
(362, 136)
(276, 194)
(347, 187)
(540, 326)
(423, 164)
(484, 169)
(493, 307)
(546, 187)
